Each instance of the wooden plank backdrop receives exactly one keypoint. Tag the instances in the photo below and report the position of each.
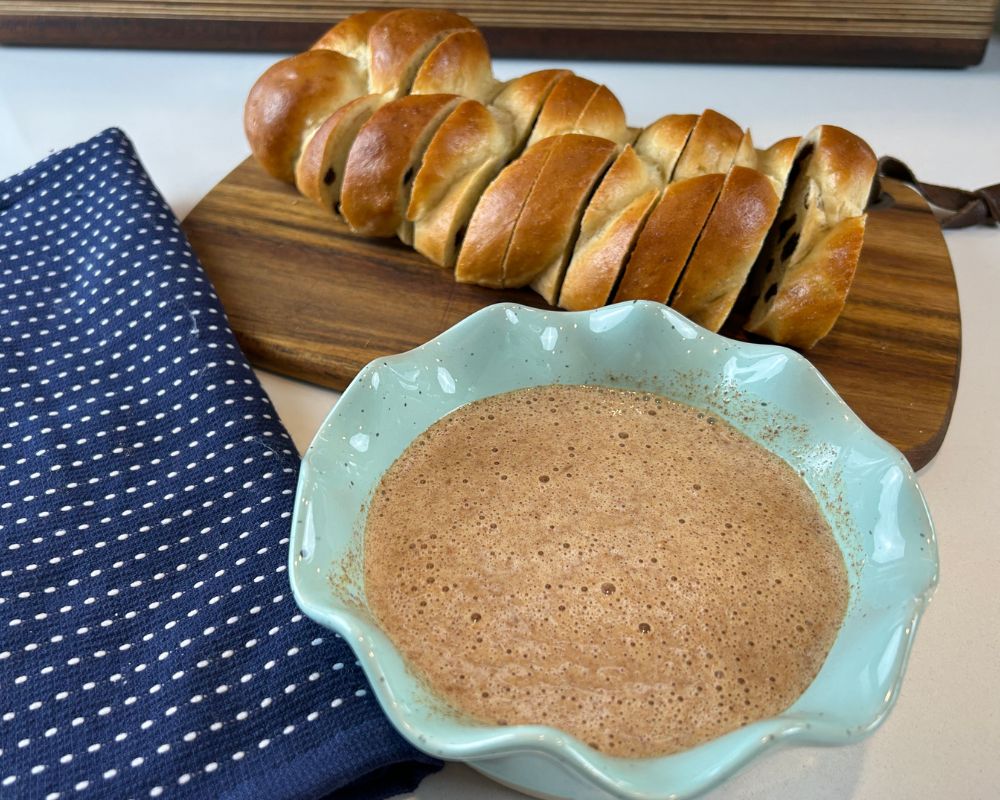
(925, 32)
(307, 298)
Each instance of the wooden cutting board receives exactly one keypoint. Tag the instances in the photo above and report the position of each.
(308, 299)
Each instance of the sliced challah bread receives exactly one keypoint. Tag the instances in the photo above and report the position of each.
(396, 119)
(522, 100)
(546, 230)
(466, 153)
(711, 147)
(320, 170)
(727, 248)
(807, 265)
(803, 306)
(400, 41)
(577, 105)
(384, 158)
(291, 100)
(665, 242)
(460, 64)
(484, 247)
(663, 141)
(608, 230)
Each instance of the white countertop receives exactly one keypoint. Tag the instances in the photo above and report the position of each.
(183, 111)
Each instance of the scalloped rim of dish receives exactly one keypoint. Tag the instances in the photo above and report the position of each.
(479, 741)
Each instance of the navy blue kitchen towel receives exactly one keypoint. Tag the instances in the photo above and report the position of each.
(149, 643)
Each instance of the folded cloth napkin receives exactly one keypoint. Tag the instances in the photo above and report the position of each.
(149, 643)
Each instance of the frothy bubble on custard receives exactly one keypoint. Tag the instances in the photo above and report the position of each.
(628, 569)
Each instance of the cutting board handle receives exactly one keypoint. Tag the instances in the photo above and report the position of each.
(954, 208)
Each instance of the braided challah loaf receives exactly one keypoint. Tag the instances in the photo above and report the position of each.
(395, 121)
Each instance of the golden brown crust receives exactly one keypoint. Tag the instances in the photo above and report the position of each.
(522, 99)
(460, 64)
(464, 154)
(484, 248)
(291, 99)
(469, 135)
(526, 223)
(746, 153)
(667, 238)
(439, 233)
(805, 305)
(711, 147)
(320, 170)
(399, 41)
(610, 225)
(350, 36)
(663, 141)
(605, 117)
(543, 237)
(776, 161)
(577, 105)
(844, 167)
(828, 187)
(727, 248)
(563, 106)
(383, 158)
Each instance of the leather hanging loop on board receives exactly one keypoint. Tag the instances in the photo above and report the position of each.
(961, 208)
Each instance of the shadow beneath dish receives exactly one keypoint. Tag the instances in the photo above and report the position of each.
(815, 772)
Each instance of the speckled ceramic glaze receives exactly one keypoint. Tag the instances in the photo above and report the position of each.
(865, 487)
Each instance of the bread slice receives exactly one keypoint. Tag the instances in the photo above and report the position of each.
(667, 238)
(545, 232)
(522, 99)
(463, 156)
(746, 153)
(577, 105)
(663, 141)
(484, 247)
(384, 158)
(727, 248)
(350, 36)
(460, 64)
(776, 162)
(829, 184)
(804, 305)
(320, 170)
(398, 43)
(563, 106)
(608, 230)
(711, 147)
(291, 100)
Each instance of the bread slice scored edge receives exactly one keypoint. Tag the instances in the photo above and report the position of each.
(466, 153)
(488, 236)
(711, 147)
(803, 305)
(608, 230)
(727, 248)
(399, 43)
(668, 237)
(459, 64)
(828, 186)
(320, 170)
(383, 159)
(546, 231)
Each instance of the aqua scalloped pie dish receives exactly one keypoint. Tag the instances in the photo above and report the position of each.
(865, 488)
